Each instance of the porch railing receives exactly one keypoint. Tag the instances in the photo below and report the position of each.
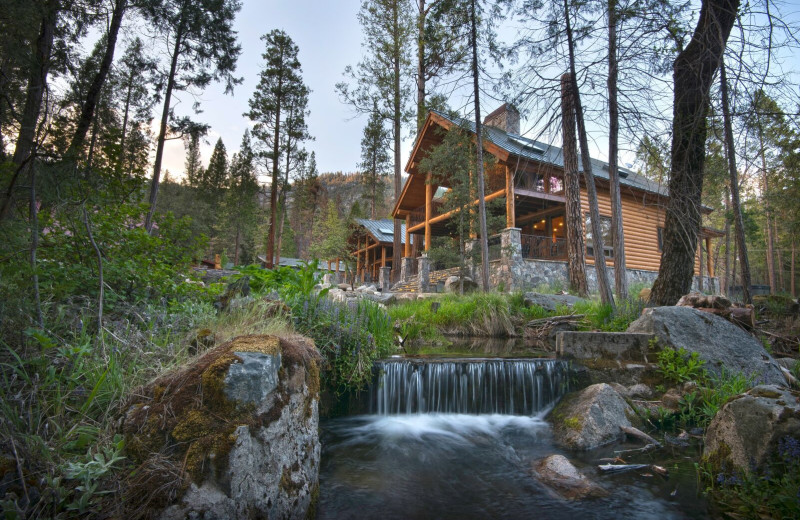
(543, 248)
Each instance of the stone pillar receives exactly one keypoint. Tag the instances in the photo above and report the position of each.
(424, 271)
(510, 258)
(385, 278)
(405, 268)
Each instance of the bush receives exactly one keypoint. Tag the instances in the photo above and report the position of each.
(679, 366)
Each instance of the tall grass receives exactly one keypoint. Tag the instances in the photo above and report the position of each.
(476, 314)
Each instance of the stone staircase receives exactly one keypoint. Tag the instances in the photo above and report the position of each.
(436, 278)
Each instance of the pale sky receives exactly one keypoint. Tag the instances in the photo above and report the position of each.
(329, 38)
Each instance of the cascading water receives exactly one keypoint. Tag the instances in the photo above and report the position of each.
(456, 439)
(468, 386)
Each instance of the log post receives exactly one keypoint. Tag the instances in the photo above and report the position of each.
(428, 210)
(510, 217)
(407, 251)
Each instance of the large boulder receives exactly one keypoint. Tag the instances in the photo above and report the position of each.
(232, 435)
(748, 429)
(558, 474)
(721, 344)
(591, 418)
(453, 284)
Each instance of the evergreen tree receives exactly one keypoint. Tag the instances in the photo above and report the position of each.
(241, 203)
(193, 167)
(279, 89)
(331, 236)
(375, 161)
(202, 48)
(382, 77)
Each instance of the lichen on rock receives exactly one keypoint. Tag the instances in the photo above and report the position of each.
(230, 416)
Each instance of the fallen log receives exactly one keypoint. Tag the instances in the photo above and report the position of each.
(542, 322)
(639, 434)
(745, 317)
(621, 468)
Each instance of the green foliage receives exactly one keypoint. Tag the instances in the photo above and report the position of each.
(606, 318)
(679, 366)
(770, 491)
(288, 283)
(350, 339)
(699, 407)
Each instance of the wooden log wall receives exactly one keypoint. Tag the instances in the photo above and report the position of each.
(642, 215)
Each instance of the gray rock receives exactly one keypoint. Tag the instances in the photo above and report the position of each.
(550, 302)
(452, 284)
(558, 473)
(748, 428)
(639, 390)
(345, 286)
(721, 344)
(622, 346)
(787, 362)
(591, 418)
(251, 380)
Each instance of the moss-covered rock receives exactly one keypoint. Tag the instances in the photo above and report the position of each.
(240, 423)
(590, 418)
(746, 431)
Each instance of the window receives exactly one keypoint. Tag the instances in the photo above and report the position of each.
(608, 237)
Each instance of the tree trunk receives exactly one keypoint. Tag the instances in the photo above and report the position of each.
(591, 191)
(618, 240)
(93, 94)
(421, 112)
(778, 258)
(273, 192)
(726, 283)
(576, 258)
(734, 181)
(396, 120)
(693, 75)
(700, 281)
(37, 83)
(479, 159)
(794, 293)
(162, 132)
(770, 240)
(236, 245)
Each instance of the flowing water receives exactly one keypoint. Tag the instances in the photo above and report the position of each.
(456, 439)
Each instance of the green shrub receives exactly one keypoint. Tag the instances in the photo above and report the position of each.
(679, 366)
(350, 338)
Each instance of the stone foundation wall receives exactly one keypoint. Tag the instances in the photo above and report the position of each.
(521, 275)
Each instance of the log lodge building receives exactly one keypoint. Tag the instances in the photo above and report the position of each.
(528, 176)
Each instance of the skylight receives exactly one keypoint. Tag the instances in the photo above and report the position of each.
(528, 145)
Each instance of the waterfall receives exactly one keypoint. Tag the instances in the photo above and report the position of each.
(468, 386)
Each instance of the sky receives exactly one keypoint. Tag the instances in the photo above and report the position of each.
(329, 38)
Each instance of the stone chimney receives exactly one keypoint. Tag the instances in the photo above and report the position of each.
(505, 118)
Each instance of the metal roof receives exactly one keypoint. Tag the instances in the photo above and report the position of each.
(383, 229)
(525, 148)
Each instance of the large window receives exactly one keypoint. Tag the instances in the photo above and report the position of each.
(608, 237)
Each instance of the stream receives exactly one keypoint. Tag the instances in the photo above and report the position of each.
(455, 438)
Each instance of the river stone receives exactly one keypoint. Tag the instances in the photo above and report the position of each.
(747, 429)
(787, 362)
(550, 302)
(591, 418)
(253, 378)
(558, 473)
(721, 344)
(452, 285)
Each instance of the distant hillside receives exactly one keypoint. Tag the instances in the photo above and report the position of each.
(345, 189)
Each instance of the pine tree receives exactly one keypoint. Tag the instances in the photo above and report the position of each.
(280, 87)
(193, 167)
(375, 161)
(382, 77)
(202, 48)
(241, 202)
